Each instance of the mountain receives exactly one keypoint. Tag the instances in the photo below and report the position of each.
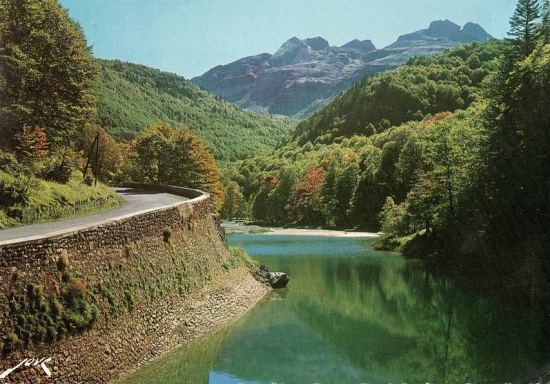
(306, 73)
(423, 86)
(132, 96)
(440, 36)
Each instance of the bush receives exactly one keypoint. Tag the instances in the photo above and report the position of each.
(61, 166)
(239, 257)
(9, 163)
(80, 310)
(13, 190)
(167, 235)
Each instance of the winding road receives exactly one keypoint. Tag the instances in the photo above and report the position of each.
(137, 201)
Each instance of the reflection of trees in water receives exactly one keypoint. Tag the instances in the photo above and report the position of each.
(396, 319)
(187, 365)
(351, 320)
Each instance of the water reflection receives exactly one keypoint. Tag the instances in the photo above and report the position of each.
(352, 315)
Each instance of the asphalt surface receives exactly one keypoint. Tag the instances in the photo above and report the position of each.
(136, 201)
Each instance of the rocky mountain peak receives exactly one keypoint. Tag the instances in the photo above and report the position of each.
(316, 43)
(443, 28)
(475, 32)
(305, 73)
(359, 46)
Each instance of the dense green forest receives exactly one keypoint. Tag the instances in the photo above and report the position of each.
(131, 96)
(341, 178)
(425, 85)
(449, 156)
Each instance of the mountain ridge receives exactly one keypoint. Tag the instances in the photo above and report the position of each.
(304, 74)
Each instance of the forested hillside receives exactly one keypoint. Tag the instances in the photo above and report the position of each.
(425, 85)
(449, 156)
(131, 96)
(349, 152)
(49, 99)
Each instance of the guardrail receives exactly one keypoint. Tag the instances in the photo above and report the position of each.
(194, 196)
(180, 191)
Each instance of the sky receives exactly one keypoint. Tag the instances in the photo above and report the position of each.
(188, 37)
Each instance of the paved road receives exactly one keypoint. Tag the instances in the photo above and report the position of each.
(137, 201)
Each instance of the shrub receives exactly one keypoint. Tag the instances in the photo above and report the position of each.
(167, 235)
(9, 163)
(60, 166)
(80, 311)
(89, 181)
(63, 262)
(13, 190)
(239, 257)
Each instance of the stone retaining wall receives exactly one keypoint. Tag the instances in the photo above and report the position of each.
(136, 278)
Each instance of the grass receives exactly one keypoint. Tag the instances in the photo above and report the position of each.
(39, 200)
(43, 318)
(239, 258)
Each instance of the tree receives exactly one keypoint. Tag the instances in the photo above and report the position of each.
(111, 159)
(260, 205)
(165, 155)
(305, 202)
(523, 27)
(544, 29)
(31, 144)
(46, 70)
(234, 205)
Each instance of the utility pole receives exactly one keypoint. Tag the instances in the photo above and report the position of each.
(93, 154)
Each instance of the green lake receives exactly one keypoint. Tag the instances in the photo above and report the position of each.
(354, 315)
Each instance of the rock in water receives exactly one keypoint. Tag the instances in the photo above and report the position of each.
(273, 279)
(278, 279)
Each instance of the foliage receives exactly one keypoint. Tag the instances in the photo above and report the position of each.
(305, 200)
(483, 194)
(40, 317)
(26, 199)
(523, 27)
(426, 85)
(164, 155)
(60, 166)
(111, 156)
(131, 97)
(239, 257)
(46, 71)
(234, 205)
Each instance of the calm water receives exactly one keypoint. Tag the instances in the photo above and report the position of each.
(354, 315)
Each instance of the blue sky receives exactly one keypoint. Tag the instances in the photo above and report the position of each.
(189, 37)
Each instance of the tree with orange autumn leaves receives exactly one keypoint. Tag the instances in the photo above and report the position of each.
(305, 202)
(164, 155)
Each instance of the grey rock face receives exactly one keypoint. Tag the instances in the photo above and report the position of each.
(305, 74)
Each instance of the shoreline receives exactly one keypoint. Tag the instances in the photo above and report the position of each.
(318, 232)
(239, 228)
(216, 306)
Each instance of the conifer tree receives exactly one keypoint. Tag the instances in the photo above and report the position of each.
(523, 27)
(544, 31)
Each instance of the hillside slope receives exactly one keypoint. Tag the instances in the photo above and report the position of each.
(131, 96)
(364, 146)
(425, 85)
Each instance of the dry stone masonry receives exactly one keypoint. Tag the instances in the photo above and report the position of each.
(105, 300)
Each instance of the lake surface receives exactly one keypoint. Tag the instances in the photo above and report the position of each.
(354, 315)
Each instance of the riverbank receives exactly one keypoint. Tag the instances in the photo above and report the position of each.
(205, 312)
(102, 300)
(238, 227)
